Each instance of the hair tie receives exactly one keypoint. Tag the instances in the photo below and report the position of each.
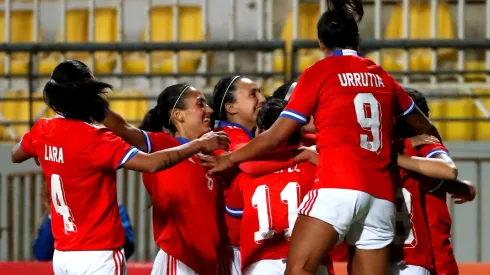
(226, 91)
(177, 101)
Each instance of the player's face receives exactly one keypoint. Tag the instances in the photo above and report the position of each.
(249, 100)
(197, 115)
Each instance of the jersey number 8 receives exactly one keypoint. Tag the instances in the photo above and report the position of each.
(59, 201)
(261, 201)
(368, 116)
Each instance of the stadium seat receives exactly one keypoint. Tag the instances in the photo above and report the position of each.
(420, 18)
(77, 30)
(190, 29)
(131, 110)
(475, 66)
(308, 18)
(19, 111)
(483, 128)
(454, 108)
(22, 31)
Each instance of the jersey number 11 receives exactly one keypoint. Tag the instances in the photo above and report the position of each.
(262, 202)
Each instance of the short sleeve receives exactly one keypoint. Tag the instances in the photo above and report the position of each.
(27, 144)
(234, 198)
(432, 150)
(404, 103)
(110, 151)
(156, 141)
(304, 98)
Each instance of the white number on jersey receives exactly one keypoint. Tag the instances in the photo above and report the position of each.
(59, 203)
(405, 234)
(261, 201)
(364, 104)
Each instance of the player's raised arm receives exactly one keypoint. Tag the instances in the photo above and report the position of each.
(434, 168)
(24, 150)
(151, 163)
(126, 131)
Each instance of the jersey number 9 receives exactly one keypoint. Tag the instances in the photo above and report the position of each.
(368, 116)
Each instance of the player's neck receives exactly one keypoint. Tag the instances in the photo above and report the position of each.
(183, 134)
(329, 52)
(241, 122)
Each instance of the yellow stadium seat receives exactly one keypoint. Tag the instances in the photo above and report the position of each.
(483, 128)
(420, 28)
(190, 29)
(131, 110)
(455, 108)
(22, 31)
(77, 30)
(308, 18)
(475, 66)
(19, 111)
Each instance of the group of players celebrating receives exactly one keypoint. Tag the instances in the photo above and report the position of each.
(344, 154)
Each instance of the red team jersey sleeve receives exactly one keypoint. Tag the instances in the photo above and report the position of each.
(404, 102)
(304, 98)
(110, 151)
(27, 144)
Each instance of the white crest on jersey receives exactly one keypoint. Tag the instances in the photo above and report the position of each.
(210, 182)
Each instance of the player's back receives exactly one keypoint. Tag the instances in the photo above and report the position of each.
(354, 114)
(270, 211)
(79, 161)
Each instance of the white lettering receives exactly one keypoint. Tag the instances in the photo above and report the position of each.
(360, 80)
(52, 153)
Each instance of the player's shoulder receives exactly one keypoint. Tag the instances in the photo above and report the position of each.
(161, 140)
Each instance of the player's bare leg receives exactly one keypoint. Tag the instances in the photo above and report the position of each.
(310, 241)
(369, 262)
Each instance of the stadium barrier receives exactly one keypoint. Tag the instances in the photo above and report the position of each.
(46, 268)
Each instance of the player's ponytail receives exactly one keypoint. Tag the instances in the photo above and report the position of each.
(223, 93)
(74, 93)
(159, 118)
(337, 27)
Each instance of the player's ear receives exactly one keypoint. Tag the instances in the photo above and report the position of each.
(178, 115)
(321, 45)
(230, 108)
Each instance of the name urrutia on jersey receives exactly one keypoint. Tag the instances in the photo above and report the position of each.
(360, 80)
(52, 153)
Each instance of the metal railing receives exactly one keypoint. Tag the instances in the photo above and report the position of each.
(22, 212)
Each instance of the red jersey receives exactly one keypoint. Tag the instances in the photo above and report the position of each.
(233, 197)
(79, 162)
(270, 211)
(184, 200)
(353, 102)
(412, 239)
(439, 221)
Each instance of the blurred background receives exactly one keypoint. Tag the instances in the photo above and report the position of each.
(441, 48)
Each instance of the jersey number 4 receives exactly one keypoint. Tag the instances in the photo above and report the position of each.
(59, 201)
(262, 202)
(368, 116)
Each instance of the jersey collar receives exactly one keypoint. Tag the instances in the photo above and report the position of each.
(222, 124)
(345, 53)
(182, 140)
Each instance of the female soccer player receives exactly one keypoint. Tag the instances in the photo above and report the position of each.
(353, 102)
(270, 205)
(188, 211)
(79, 161)
(236, 102)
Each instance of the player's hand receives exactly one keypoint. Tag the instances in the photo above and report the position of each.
(216, 164)
(469, 197)
(36, 160)
(307, 154)
(213, 141)
(423, 140)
